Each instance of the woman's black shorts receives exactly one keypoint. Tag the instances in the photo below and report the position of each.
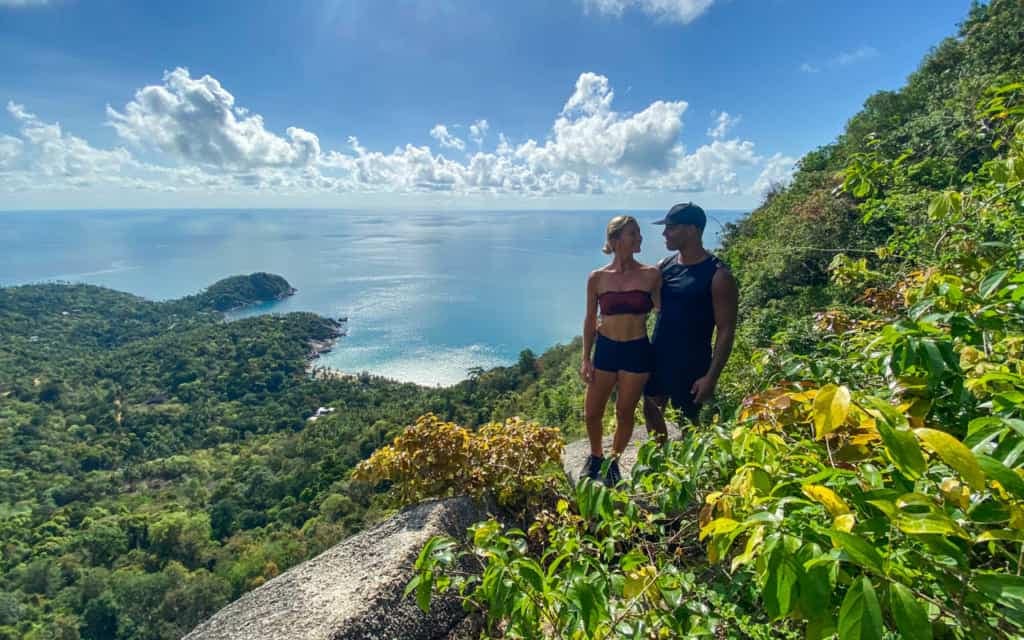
(635, 356)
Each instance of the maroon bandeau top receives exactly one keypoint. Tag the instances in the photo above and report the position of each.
(619, 302)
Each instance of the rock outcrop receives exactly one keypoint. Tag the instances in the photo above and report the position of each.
(354, 589)
(576, 452)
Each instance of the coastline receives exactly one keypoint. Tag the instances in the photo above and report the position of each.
(326, 345)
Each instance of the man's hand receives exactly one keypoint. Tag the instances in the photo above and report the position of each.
(703, 389)
(587, 371)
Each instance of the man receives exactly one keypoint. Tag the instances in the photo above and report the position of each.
(698, 297)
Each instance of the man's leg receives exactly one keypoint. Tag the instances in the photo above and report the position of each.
(691, 412)
(682, 399)
(654, 415)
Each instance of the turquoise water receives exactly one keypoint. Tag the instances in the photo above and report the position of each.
(427, 294)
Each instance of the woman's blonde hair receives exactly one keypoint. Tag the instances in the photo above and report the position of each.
(614, 230)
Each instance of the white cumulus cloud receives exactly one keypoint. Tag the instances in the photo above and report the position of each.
(778, 170)
(196, 120)
(588, 135)
(681, 11)
(723, 122)
(711, 167)
(445, 139)
(57, 154)
(478, 131)
(204, 142)
(10, 149)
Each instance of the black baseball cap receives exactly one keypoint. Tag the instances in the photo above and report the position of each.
(685, 213)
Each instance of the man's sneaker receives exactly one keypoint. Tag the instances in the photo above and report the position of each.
(592, 468)
(614, 476)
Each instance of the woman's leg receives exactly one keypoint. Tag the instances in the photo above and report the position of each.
(598, 392)
(631, 387)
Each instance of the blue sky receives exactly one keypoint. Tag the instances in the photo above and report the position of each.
(587, 103)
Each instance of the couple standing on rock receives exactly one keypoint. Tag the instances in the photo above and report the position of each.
(693, 294)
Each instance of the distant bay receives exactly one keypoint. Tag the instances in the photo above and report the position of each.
(427, 294)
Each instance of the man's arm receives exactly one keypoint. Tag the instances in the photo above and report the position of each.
(725, 303)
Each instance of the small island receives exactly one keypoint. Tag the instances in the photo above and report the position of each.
(237, 292)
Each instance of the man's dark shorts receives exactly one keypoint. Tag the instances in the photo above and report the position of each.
(674, 382)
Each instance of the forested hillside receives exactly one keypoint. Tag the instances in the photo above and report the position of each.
(156, 461)
(865, 477)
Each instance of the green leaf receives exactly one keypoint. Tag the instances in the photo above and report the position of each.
(860, 617)
(862, 188)
(781, 575)
(939, 206)
(931, 353)
(982, 430)
(931, 523)
(992, 282)
(1000, 171)
(820, 628)
(416, 579)
(886, 507)
(955, 454)
(1006, 589)
(426, 558)
(423, 592)
(633, 559)
(910, 616)
(859, 550)
(532, 573)
(899, 441)
(988, 512)
(831, 407)
(815, 588)
(999, 472)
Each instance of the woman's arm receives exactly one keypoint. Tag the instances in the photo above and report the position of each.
(589, 329)
(656, 291)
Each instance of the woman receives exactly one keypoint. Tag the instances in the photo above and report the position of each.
(624, 292)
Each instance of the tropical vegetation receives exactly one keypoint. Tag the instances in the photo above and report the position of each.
(865, 479)
(859, 474)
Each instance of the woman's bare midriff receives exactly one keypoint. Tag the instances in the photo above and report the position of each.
(622, 328)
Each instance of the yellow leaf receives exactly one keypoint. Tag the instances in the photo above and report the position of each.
(717, 526)
(802, 396)
(844, 522)
(955, 454)
(1001, 534)
(831, 407)
(824, 495)
(1016, 517)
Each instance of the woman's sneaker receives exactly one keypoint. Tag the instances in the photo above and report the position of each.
(592, 468)
(613, 476)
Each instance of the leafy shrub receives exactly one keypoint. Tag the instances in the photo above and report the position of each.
(434, 458)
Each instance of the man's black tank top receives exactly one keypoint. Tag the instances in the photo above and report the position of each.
(682, 333)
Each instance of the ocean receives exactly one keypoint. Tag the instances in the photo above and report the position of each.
(428, 295)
